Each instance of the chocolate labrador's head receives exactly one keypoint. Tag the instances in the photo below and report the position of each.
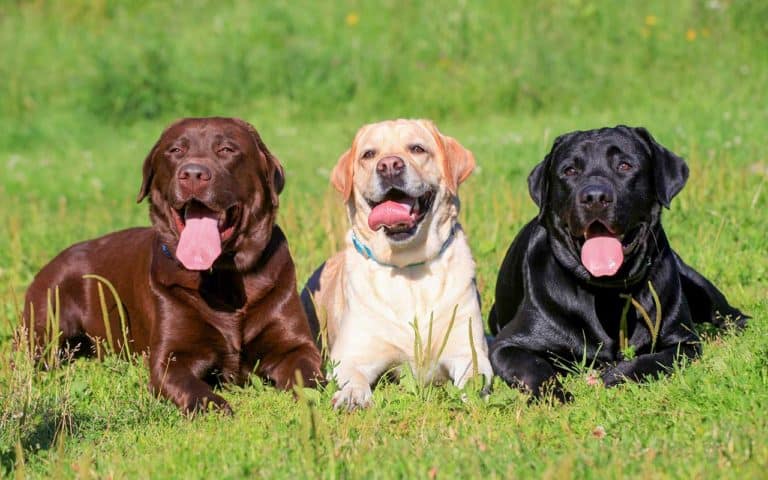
(600, 193)
(213, 189)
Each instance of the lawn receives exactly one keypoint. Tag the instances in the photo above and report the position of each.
(87, 87)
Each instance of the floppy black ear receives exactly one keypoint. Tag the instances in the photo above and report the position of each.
(669, 171)
(538, 180)
(538, 184)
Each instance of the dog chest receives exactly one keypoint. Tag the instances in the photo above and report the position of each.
(391, 298)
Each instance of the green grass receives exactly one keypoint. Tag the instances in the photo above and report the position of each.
(88, 86)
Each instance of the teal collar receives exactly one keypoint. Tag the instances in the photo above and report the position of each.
(366, 252)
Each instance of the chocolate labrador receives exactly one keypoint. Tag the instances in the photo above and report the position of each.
(209, 290)
(593, 276)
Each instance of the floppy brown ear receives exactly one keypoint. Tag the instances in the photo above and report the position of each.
(669, 171)
(341, 176)
(458, 163)
(148, 173)
(275, 175)
(275, 178)
(275, 171)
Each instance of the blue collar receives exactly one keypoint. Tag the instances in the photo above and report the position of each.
(366, 252)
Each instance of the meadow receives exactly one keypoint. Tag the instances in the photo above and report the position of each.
(87, 87)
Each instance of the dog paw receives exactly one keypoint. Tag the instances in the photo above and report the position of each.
(613, 377)
(487, 390)
(352, 397)
(212, 403)
(552, 390)
(462, 371)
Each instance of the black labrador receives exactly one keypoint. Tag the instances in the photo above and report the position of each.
(588, 276)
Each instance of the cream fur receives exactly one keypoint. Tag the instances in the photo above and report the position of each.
(368, 309)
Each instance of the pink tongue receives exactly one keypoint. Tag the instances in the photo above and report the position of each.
(602, 256)
(200, 242)
(391, 214)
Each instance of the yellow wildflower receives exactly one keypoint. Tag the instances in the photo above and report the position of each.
(352, 19)
(650, 20)
(690, 35)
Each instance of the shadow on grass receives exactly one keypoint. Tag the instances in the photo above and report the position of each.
(42, 436)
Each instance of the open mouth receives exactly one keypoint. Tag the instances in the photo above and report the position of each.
(399, 214)
(599, 229)
(195, 210)
(603, 250)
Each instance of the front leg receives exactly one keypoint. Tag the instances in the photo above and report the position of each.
(360, 361)
(277, 333)
(464, 360)
(173, 376)
(461, 368)
(649, 364)
(527, 371)
(284, 347)
(288, 357)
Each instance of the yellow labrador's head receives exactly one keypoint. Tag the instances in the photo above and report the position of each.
(400, 182)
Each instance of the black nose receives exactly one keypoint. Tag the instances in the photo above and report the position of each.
(390, 167)
(194, 174)
(594, 196)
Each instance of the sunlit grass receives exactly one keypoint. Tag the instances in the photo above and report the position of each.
(88, 86)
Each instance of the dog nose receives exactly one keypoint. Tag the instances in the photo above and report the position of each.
(194, 174)
(596, 196)
(390, 167)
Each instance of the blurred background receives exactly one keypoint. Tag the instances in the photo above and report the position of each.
(110, 63)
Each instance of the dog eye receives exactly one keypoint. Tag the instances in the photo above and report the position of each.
(174, 150)
(226, 150)
(417, 149)
(624, 167)
(368, 154)
(570, 171)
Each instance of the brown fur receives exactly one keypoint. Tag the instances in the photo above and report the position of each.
(200, 328)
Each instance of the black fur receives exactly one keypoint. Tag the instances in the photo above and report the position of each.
(307, 293)
(551, 312)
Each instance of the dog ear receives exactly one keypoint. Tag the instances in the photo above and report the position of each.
(275, 177)
(148, 173)
(458, 163)
(669, 171)
(275, 171)
(343, 172)
(538, 184)
(341, 176)
(538, 179)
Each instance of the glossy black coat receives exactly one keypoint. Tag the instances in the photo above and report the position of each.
(550, 313)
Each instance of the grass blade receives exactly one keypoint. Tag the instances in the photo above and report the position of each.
(125, 349)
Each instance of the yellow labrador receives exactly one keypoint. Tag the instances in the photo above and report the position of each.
(407, 266)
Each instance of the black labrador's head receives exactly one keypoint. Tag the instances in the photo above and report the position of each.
(608, 186)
